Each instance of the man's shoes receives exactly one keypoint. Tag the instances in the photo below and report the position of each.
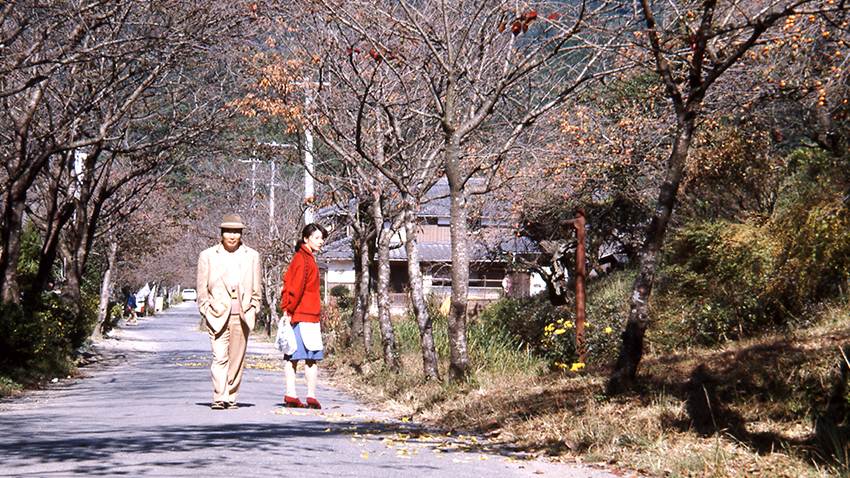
(231, 405)
(312, 403)
(292, 402)
(218, 406)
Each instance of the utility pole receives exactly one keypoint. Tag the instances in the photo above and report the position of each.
(309, 189)
(308, 173)
(272, 184)
(272, 222)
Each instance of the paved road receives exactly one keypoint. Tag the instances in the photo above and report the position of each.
(143, 410)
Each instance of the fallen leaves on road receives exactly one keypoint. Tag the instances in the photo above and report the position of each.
(259, 362)
(408, 441)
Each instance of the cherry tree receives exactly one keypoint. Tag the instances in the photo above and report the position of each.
(458, 84)
(101, 100)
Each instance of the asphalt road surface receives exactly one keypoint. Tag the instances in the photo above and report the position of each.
(143, 410)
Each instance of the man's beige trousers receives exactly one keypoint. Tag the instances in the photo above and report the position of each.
(228, 348)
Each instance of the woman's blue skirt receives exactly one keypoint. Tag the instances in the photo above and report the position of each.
(302, 353)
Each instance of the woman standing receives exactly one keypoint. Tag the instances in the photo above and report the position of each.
(301, 304)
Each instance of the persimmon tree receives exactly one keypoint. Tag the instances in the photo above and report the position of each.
(603, 155)
(692, 48)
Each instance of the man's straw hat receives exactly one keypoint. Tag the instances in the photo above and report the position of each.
(232, 221)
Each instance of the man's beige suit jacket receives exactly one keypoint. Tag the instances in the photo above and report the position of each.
(214, 293)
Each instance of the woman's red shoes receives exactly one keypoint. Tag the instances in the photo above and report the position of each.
(292, 402)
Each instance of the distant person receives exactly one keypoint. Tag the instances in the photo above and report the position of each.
(132, 318)
(228, 291)
(302, 306)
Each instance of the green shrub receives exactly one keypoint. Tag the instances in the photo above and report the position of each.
(725, 273)
(549, 332)
(38, 338)
(8, 386)
(342, 295)
(37, 341)
(735, 279)
(340, 290)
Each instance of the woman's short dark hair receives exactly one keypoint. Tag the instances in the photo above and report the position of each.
(308, 231)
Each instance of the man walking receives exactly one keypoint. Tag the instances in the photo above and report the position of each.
(228, 298)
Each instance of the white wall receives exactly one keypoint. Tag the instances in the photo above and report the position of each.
(537, 284)
(340, 272)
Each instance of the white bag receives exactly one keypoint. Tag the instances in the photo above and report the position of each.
(311, 335)
(285, 340)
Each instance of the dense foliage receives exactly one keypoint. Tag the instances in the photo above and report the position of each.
(549, 332)
(735, 278)
(38, 338)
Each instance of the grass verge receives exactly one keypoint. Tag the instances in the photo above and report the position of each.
(767, 407)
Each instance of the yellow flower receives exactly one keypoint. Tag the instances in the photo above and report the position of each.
(560, 331)
(576, 367)
(608, 330)
(569, 325)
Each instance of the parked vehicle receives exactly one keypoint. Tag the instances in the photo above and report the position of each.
(189, 294)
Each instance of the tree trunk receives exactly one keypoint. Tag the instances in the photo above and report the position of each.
(55, 218)
(103, 308)
(363, 246)
(72, 287)
(50, 242)
(11, 252)
(367, 249)
(388, 344)
(271, 284)
(459, 365)
(75, 248)
(93, 191)
(417, 299)
(20, 174)
(631, 351)
(357, 312)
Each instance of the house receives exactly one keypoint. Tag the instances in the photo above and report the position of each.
(492, 243)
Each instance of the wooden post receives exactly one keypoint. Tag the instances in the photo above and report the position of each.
(581, 273)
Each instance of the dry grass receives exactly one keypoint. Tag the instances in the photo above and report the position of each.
(748, 409)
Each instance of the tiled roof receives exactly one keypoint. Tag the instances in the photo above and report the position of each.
(339, 250)
(440, 251)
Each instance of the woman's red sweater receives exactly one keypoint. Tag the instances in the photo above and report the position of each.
(300, 296)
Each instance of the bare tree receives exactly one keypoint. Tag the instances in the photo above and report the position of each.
(366, 115)
(470, 79)
(93, 86)
(361, 151)
(352, 198)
